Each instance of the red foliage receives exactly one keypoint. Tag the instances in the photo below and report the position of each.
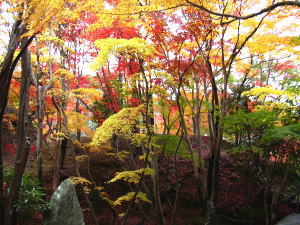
(10, 148)
(284, 66)
(235, 191)
(33, 149)
(285, 209)
(133, 102)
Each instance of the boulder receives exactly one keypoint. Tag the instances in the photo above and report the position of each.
(293, 219)
(65, 208)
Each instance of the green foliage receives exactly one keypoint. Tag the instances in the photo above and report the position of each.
(295, 41)
(129, 196)
(257, 130)
(291, 85)
(284, 133)
(252, 124)
(132, 176)
(122, 124)
(284, 101)
(31, 196)
(243, 148)
(7, 175)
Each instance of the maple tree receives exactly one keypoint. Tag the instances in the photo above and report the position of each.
(147, 73)
(30, 19)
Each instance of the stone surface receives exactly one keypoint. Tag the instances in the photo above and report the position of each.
(293, 219)
(65, 208)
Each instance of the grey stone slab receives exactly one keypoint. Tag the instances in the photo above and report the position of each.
(65, 208)
(293, 219)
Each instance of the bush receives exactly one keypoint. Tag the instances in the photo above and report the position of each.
(31, 196)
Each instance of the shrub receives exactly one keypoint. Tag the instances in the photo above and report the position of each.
(31, 196)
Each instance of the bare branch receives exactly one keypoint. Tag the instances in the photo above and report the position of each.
(267, 9)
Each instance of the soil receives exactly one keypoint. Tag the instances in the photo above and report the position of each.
(101, 167)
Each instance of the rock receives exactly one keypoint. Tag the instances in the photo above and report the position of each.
(293, 219)
(65, 208)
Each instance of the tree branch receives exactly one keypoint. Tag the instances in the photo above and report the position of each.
(267, 9)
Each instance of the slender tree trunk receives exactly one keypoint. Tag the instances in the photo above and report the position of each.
(197, 133)
(155, 179)
(56, 160)
(276, 194)
(178, 186)
(63, 150)
(215, 146)
(139, 185)
(39, 136)
(267, 192)
(297, 199)
(78, 132)
(23, 145)
(2, 197)
(61, 145)
(85, 196)
(212, 182)
(190, 147)
(40, 98)
(6, 71)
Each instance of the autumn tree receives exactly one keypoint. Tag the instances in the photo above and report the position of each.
(219, 66)
(30, 19)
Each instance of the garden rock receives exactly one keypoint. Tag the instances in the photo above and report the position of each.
(65, 208)
(293, 219)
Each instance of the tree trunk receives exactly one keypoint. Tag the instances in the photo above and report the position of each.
(189, 143)
(39, 137)
(155, 179)
(63, 151)
(5, 78)
(23, 145)
(297, 199)
(40, 98)
(78, 131)
(2, 198)
(85, 196)
(215, 146)
(267, 192)
(274, 204)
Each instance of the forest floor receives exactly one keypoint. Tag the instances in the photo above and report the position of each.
(239, 201)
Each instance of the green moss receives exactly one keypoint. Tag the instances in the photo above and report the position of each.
(168, 144)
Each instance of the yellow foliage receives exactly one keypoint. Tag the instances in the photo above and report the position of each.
(37, 14)
(111, 46)
(81, 158)
(90, 93)
(58, 136)
(105, 147)
(88, 186)
(129, 196)
(267, 42)
(132, 176)
(63, 73)
(263, 92)
(78, 121)
(121, 123)
(80, 180)
(122, 155)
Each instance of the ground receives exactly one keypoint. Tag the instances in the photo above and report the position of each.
(239, 201)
